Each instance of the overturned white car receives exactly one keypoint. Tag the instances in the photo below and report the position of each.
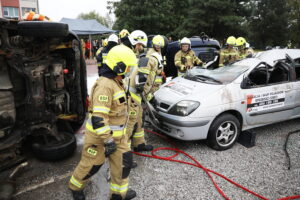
(218, 104)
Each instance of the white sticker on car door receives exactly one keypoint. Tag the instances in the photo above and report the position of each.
(265, 101)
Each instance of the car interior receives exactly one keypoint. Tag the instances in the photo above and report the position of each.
(265, 74)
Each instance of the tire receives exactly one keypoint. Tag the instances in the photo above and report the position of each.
(43, 29)
(225, 127)
(57, 150)
(76, 125)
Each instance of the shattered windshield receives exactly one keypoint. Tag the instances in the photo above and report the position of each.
(222, 75)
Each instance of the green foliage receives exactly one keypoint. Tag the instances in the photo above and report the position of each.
(294, 22)
(94, 15)
(151, 16)
(217, 18)
(269, 24)
(262, 22)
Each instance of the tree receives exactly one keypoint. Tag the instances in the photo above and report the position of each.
(269, 24)
(294, 22)
(217, 18)
(151, 16)
(178, 18)
(94, 15)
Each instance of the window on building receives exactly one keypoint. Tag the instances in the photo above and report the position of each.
(26, 10)
(30, 0)
(11, 12)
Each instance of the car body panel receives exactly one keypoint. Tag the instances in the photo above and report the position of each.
(257, 106)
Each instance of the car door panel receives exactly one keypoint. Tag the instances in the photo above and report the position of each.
(269, 104)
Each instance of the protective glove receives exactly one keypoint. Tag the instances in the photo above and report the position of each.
(110, 147)
(183, 60)
(164, 77)
(182, 68)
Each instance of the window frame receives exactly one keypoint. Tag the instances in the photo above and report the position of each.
(12, 12)
(246, 79)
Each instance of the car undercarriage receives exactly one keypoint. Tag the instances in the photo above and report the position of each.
(42, 90)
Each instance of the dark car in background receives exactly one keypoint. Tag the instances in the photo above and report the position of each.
(43, 90)
(204, 47)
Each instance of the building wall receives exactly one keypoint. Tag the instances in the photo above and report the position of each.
(12, 7)
(10, 3)
(1, 10)
(28, 5)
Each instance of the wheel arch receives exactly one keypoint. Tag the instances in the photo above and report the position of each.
(235, 113)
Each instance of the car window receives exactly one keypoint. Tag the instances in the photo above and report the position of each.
(279, 74)
(258, 76)
(205, 54)
(264, 74)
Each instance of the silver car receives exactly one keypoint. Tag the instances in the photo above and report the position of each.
(218, 104)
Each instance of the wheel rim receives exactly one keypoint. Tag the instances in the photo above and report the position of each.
(226, 133)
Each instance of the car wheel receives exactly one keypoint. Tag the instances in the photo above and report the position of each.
(47, 147)
(43, 29)
(77, 125)
(224, 132)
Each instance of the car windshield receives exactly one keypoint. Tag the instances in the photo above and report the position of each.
(222, 75)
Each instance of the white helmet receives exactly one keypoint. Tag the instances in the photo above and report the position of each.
(185, 41)
(138, 37)
(247, 45)
(113, 38)
(159, 58)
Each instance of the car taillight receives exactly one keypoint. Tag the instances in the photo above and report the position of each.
(66, 71)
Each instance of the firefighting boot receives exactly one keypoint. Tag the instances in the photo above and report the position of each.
(143, 147)
(78, 195)
(129, 195)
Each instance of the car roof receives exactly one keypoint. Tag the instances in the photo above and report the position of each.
(199, 42)
(271, 56)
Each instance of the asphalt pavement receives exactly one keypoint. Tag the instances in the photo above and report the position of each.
(262, 168)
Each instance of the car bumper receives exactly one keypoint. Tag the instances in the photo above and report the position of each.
(183, 128)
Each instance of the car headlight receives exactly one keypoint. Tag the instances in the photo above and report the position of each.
(184, 108)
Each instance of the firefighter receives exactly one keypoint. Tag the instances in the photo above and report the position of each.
(249, 50)
(244, 48)
(229, 54)
(186, 58)
(104, 44)
(112, 41)
(154, 71)
(135, 131)
(105, 134)
(123, 35)
(158, 42)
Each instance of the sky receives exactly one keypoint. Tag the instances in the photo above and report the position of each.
(57, 9)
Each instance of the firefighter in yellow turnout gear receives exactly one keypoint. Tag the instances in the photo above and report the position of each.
(154, 71)
(185, 58)
(137, 40)
(229, 54)
(105, 134)
(101, 55)
(244, 48)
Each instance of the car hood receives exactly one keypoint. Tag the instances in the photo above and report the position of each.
(182, 89)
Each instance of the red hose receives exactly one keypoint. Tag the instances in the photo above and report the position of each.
(198, 165)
